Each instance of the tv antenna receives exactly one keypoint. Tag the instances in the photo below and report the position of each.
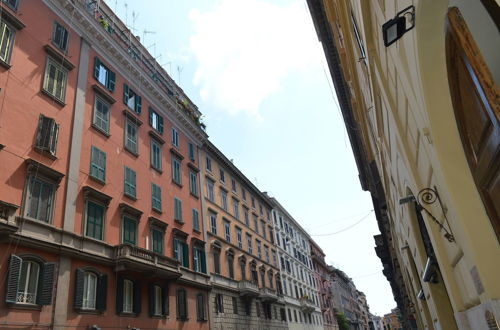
(179, 70)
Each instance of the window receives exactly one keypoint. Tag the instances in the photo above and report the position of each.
(155, 121)
(230, 264)
(275, 261)
(224, 199)
(239, 238)
(157, 308)
(6, 41)
(12, 3)
(243, 265)
(94, 220)
(101, 115)
(216, 254)
(261, 211)
(28, 286)
(196, 220)
(200, 307)
(236, 209)
(104, 75)
(247, 218)
(222, 175)
(182, 306)
(128, 295)
(255, 224)
(249, 242)
(199, 262)
(259, 249)
(60, 37)
(233, 185)
(98, 164)
(244, 194)
(90, 290)
(271, 235)
(40, 199)
(181, 251)
(210, 190)
(191, 151)
(257, 308)
(156, 197)
(176, 170)
(155, 155)
(177, 209)
(131, 136)
(129, 230)
(227, 231)
(263, 225)
(130, 183)
(253, 202)
(175, 137)
(157, 239)
(213, 223)
(235, 305)
(266, 251)
(55, 80)
(219, 303)
(193, 183)
(209, 164)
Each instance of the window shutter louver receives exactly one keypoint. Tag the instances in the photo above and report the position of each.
(138, 104)
(54, 133)
(13, 279)
(39, 137)
(152, 301)
(46, 284)
(160, 124)
(185, 250)
(97, 64)
(203, 262)
(111, 81)
(79, 283)
(150, 117)
(176, 249)
(164, 299)
(119, 295)
(137, 297)
(102, 293)
(125, 93)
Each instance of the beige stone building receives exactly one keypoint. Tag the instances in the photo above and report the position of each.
(417, 83)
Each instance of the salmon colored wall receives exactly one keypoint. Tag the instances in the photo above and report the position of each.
(21, 103)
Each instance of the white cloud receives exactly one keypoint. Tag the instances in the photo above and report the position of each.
(246, 48)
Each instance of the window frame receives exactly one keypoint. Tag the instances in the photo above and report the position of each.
(178, 214)
(175, 138)
(11, 41)
(136, 223)
(100, 99)
(176, 171)
(156, 202)
(96, 152)
(196, 219)
(131, 143)
(156, 161)
(86, 223)
(132, 187)
(58, 45)
(193, 183)
(60, 69)
(110, 79)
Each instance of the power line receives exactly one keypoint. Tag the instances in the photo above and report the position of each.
(338, 220)
(347, 228)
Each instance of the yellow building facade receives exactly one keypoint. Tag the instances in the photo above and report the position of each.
(417, 83)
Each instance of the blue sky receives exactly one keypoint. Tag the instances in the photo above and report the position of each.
(257, 72)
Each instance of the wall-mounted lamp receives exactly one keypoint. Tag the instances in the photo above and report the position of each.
(421, 295)
(394, 29)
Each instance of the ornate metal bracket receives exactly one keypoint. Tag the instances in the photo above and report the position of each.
(428, 196)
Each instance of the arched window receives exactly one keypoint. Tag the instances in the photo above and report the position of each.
(243, 268)
(90, 290)
(253, 271)
(28, 282)
(230, 262)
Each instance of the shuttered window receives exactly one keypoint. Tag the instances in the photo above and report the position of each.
(158, 300)
(181, 251)
(155, 120)
(156, 197)
(193, 183)
(129, 230)
(182, 307)
(131, 99)
(90, 290)
(101, 115)
(128, 296)
(175, 137)
(210, 190)
(176, 170)
(6, 41)
(130, 182)
(213, 223)
(191, 149)
(98, 164)
(155, 155)
(29, 282)
(227, 231)
(60, 37)
(157, 238)
(55, 80)
(131, 136)
(216, 255)
(223, 195)
(177, 209)
(104, 75)
(40, 200)
(200, 307)
(219, 303)
(47, 135)
(94, 220)
(199, 261)
(196, 220)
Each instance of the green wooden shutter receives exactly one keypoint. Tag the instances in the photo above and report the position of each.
(54, 133)
(150, 117)
(164, 299)
(138, 104)
(125, 93)
(97, 65)
(46, 286)
(119, 295)
(151, 298)
(102, 293)
(79, 283)
(13, 278)
(160, 124)
(137, 297)
(185, 252)
(111, 81)
(203, 262)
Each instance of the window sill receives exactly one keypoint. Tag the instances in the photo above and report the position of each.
(126, 314)
(177, 183)
(202, 320)
(55, 99)
(5, 64)
(179, 221)
(197, 230)
(33, 307)
(106, 134)
(156, 210)
(183, 319)
(134, 198)
(45, 153)
(133, 153)
(93, 178)
(194, 195)
(157, 169)
(88, 311)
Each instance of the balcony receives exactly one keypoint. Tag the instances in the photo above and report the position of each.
(267, 294)
(306, 304)
(248, 289)
(281, 298)
(129, 257)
